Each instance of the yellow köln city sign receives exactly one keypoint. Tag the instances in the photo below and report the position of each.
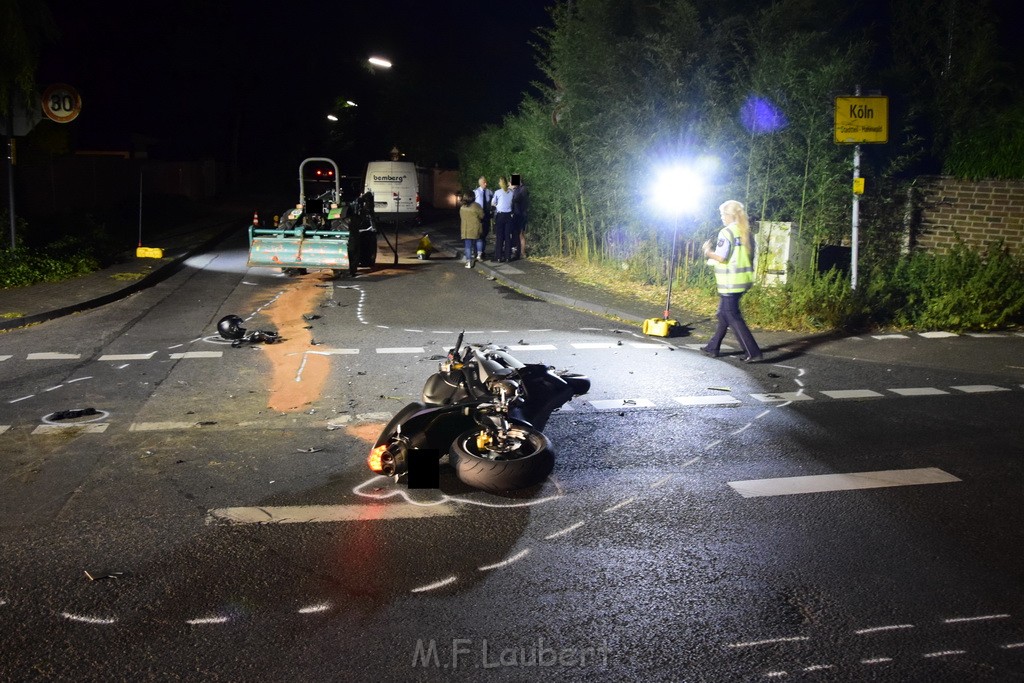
(862, 120)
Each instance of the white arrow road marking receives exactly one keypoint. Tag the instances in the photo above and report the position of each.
(785, 486)
(293, 514)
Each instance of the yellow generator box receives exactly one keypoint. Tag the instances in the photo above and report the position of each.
(149, 252)
(659, 327)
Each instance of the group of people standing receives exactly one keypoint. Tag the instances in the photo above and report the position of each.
(507, 208)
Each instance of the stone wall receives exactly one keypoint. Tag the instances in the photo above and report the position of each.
(977, 212)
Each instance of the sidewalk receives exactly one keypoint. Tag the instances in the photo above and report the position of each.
(38, 303)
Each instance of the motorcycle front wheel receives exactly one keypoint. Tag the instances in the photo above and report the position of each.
(525, 460)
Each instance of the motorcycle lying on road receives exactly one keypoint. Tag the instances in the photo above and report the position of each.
(486, 410)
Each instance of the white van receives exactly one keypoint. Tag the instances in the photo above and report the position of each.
(396, 192)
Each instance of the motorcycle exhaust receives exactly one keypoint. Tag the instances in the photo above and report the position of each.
(389, 459)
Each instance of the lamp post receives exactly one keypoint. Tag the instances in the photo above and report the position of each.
(676, 192)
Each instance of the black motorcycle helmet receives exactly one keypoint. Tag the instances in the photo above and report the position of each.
(230, 327)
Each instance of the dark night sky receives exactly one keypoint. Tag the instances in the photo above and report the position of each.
(195, 74)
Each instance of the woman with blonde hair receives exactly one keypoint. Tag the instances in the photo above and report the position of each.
(734, 272)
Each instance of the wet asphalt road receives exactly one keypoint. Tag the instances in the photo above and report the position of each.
(638, 560)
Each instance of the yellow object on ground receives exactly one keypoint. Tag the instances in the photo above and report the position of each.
(659, 327)
(149, 252)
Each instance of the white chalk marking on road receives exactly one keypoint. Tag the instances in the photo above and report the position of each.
(707, 400)
(441, 332)
(775, 674)
(594, 345)
(122, 366)
(798, 382)
(661, 482)
(546, 329)
(335, 352)
(7, 357)
(23, 398)
(533, 347)
(197, 354)
(714, 443)
(938, 335)
(944, 653)
(499, 331)
(53, 388)
(315, 609)
(787, 367)
(296, 514)
(507, 561)
(126, 356)
(879, 629)
(985, 335)
(53, 355)
(383, 327)
(4, 428)
(159, 426)
(741, 429)
(591, 329)
(88, 620)
(876, 660)
(420, 331)
(89, 428)
(434, 586)
(882, 337)
(819, 667)
(78, 379)
(1012, 646)
(176, 346)
(986, 617)
(302, 366)
(770, 641)
(843, 394)
(785, 486)
(763, 413)
(979, 388)
(919, 391)
(779, 396)
(690, 461)
(251, 284)
(401, 349)
(567, 530)
(617, 404)
(202, 621)
(619, 505)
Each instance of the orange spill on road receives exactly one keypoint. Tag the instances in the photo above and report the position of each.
(287, 356)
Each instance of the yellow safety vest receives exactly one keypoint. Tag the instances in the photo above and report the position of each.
(736, 275)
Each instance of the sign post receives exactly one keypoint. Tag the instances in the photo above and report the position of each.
(860, 120)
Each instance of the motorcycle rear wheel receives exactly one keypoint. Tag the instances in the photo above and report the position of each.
(529, 463)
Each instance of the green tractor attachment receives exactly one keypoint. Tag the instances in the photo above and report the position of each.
(320, 232)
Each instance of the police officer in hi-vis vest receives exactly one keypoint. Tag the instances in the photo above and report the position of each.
(734, 273)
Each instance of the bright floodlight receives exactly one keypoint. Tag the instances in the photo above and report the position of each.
(677, 191)
(380, 61)
(350, 103)
(332, 117)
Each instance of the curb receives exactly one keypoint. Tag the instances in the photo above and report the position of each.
(157, 276)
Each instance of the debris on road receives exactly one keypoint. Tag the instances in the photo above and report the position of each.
(73, 413)
(102, 574)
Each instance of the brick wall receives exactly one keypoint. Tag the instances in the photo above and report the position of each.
(979, 213)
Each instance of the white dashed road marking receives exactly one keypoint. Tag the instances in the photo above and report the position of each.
(617, 404)
(50, 355)
(402, 349)
(197, 354)
(127, 356)
(785, 486)
(979, 388)
(707, 400)
(92, 428)
(292, 514)
(852, 393)
(781, 396)
(919, 391)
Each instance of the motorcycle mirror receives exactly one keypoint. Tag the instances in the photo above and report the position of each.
(454, 353)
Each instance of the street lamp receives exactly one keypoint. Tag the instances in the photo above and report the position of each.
(676, 192)
(380, 61)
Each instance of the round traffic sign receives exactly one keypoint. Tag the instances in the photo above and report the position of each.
(61, 103)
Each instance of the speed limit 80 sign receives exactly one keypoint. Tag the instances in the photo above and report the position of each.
(61, 103)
